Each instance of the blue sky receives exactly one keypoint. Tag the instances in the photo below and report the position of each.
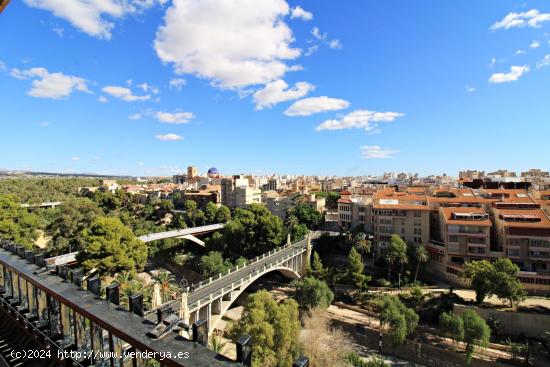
(146, 87)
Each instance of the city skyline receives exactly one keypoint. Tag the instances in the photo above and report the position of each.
(286, 87)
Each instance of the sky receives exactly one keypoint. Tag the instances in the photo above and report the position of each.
(148, 87)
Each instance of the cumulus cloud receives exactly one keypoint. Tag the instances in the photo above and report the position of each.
(535, 44)
(335, 44)
(234, 44)
(515, 73)
(470, 89)
(177, 83)
(135, 116)
(298, 12)
(51, 85)
(532, 18)
(278, 91)
(312, 105)
(520, 52)
(169, 137)
(102, 99)
(123, 93)
(377, 152)
(178, 117)
(93, 17)
(360, 119)
(544, 62)
(310, 50)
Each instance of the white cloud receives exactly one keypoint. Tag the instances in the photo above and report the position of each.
(233, 43)
(515, 73)
(135, 116)
(298, 12)
(177, 117)
(144, 87)
(44, 123)
(140, 163)
(360, 119)
(535, 44)
(92, 17)
(59, 31)
(311, 50)
(544, 62)
(124, 94)
(278, 91)
(520, 52)
(3, 65)
(169, 137)
(177, 83)
(377, 152)
(51, 85)
(471, 89)
(102, 99)
(317, 34)
(75, 158)
(335, 44)
(312, 105)
(531, 18)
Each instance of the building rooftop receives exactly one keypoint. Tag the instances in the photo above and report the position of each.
(526, 218)
(466, 216)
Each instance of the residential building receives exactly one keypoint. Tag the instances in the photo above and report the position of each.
(405, 213)
(355, 211)
(244, 196)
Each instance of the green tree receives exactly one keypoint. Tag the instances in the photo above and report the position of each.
(480, 274)
(476, 332)
(73, 216)
(167, 285)
(452, 325)
(111, 247)
(362, 243)
(274, 327)
(213, 264)
(355, 269)
(318, 270)
(307, 215)
(401, 320)
(223, 215)
(421, 257)
(16, 223)
(210, 212)
(298, 232)
(506, 283)
(396, 252)
(311, 292)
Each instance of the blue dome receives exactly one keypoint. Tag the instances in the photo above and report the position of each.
(213, 171)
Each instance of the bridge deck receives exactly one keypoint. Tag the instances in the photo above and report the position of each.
(181, 232)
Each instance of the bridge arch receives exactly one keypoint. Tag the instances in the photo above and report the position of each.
(287, 272)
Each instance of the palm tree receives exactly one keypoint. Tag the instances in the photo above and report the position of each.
(166, 282)
(421, 257)
(403, 259)
(362, 244)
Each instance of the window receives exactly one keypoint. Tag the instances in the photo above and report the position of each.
(476, 250)
(417, 213)
(513, 253)
(453, 238)
(418, 231)
(453, 248)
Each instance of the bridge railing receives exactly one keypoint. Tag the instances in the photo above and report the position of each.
(246, 279)
(205, 282)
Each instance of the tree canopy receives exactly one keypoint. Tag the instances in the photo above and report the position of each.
(311, 292)
(499, 278)
(274, 327)
(16, 223)
(468, 327)
(111, 247)
(401, 320)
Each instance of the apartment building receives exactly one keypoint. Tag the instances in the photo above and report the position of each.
(355, 211)
(245, 195)
(405, 213)
(465, 234)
